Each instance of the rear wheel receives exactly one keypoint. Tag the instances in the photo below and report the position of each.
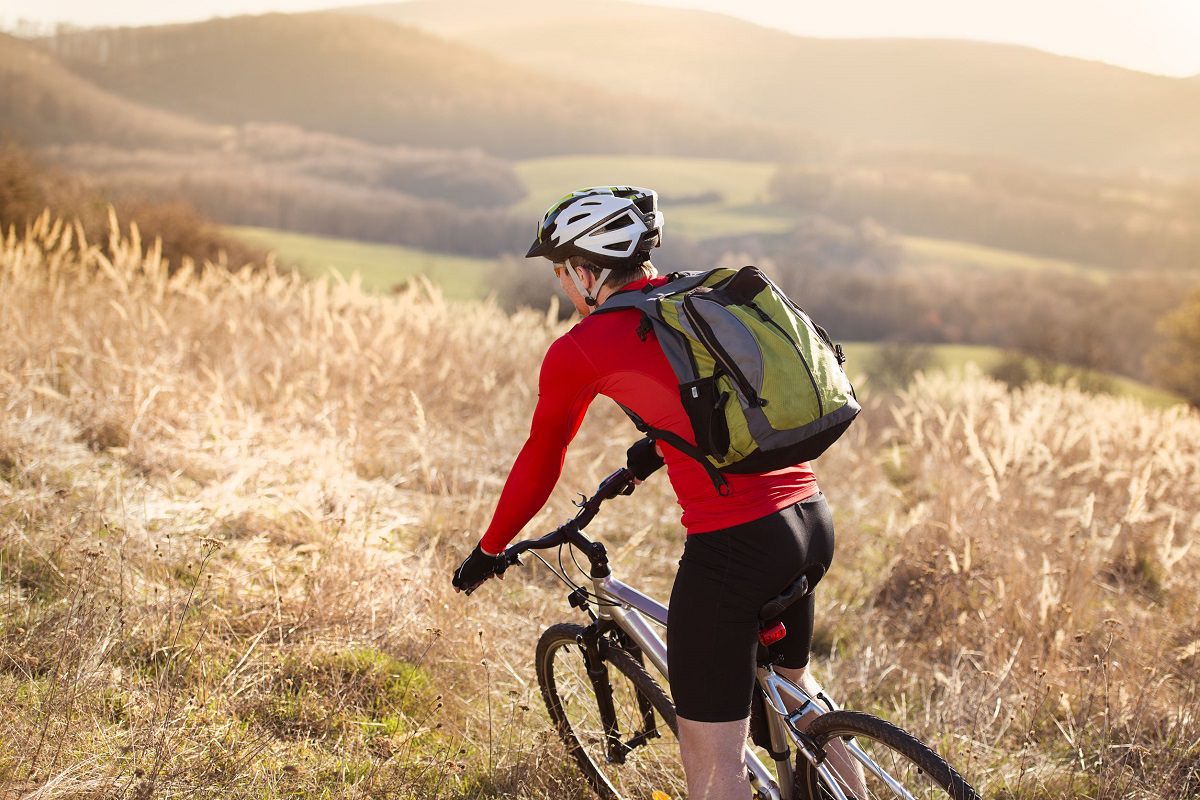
(906, 767)
(630, 753)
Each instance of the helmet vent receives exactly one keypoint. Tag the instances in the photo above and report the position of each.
(620, 222)
(576, 218)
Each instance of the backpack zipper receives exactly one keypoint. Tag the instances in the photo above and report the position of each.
(812, 379)
(709, 340)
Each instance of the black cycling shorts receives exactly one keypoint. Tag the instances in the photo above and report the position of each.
(724, 578)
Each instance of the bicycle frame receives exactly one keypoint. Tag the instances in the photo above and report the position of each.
(630, 610)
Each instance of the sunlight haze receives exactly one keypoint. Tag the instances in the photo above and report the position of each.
(1149, 35)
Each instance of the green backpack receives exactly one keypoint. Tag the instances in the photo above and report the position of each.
(762, 384)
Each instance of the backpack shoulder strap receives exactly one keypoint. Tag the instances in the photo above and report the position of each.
(682, 445)
(646, 299)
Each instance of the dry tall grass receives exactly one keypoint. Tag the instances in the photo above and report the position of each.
(230, 503)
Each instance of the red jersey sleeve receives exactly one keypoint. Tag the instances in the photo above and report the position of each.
(566, 386)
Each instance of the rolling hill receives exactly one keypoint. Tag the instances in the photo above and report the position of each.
(116, 149)
(46, 104)
(933, 93)
(386, 84)
(78, 124)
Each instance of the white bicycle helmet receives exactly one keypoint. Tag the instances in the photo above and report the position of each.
(611, 226)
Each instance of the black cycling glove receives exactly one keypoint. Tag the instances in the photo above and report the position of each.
(477, 568)
(643, 459)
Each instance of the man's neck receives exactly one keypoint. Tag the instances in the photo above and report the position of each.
(607, 291)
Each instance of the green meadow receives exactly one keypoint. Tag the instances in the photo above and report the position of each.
(381, 267)
(920, 251)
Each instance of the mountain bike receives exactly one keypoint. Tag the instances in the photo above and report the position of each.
(619, 723)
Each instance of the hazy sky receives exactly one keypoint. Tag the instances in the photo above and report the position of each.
(1152, 35)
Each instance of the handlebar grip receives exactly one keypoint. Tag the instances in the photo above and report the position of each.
(620, 482)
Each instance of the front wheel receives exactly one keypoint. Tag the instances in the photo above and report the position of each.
(895, 764)
(631, 752)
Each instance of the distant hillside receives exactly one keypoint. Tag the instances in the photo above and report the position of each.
(113, 149)
(387, 84)
(941, 94)
(44, 103)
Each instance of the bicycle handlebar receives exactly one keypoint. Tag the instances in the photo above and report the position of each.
(642, 459)
(618, 483)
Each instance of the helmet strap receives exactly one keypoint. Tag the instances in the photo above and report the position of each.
(583, 290)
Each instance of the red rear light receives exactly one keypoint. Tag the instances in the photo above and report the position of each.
(771, 635)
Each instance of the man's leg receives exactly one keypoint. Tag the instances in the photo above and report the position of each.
(848, 770)
(713, 760)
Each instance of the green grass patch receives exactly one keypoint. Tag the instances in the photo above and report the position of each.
(358, 689)
(922, 253)
(738, 189)
(381, 267)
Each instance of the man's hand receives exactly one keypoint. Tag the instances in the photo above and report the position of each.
(643, 458)
(477, 568)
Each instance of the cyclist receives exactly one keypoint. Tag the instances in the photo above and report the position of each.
(745, 544)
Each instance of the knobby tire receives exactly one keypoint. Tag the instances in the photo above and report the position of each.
(922, 772)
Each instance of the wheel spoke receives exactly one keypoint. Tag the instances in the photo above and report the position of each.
(873, 767)
(648, 761)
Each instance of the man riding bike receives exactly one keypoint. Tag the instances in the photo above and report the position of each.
(746, 541)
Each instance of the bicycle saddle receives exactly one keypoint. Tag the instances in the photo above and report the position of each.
(798, 589)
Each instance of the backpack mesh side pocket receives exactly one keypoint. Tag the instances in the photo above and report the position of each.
(705, 408)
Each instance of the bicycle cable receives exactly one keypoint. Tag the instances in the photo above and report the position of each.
(576, 587)
(562, 576)
(593, 597)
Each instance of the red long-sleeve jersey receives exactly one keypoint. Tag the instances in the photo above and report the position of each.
(603, 354)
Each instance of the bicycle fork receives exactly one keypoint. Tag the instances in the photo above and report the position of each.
(593, 645)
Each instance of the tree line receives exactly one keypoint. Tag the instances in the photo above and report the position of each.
(1117, 223)
(329, 208)
(278, 176)
(28, 187)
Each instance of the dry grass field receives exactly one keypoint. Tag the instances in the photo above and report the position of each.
(230, 502)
